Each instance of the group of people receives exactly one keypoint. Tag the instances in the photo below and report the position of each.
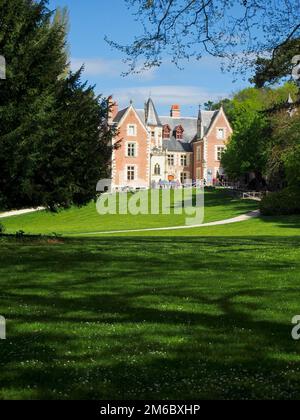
(173, 185)
(165, 185)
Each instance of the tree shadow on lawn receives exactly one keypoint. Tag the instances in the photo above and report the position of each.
(108, 319)
(284, 221)
(219, 199)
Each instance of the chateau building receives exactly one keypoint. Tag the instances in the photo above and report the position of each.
(154, 149)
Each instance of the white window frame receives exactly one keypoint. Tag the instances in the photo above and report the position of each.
(135, 173)
(129, 126)
(184, 159)
(128, 143)
(218, 133)
(185, 175)
(172, 159)
(217, 152)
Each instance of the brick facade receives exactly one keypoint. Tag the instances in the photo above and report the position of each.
(156, 149)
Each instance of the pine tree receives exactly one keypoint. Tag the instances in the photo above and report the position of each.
(53, 141)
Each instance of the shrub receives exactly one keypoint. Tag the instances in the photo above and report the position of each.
(283, 202)
(2, 229)
(20, 234)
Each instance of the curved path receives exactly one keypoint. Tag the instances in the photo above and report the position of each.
(242, 218)
(19, 212)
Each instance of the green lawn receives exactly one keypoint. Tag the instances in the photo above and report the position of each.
(218, 206)
(200, 313)
(150, 318)
(262, 226)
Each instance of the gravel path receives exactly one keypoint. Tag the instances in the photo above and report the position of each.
(19, 212)
(242, 218)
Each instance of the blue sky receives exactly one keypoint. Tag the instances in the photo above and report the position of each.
(91, 20)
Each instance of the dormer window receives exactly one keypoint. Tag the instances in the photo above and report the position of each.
(166, 131)
(179, 132)
(220, 133)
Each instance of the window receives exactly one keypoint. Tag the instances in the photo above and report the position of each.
(220, 134)
(130, 173)
(131, 150)
(179, 132)
(153, 134)
(166, 131)
(219, 152)
(183, 177)
(171, 160)
(131, 130)
(157, 169)
(183, 160)
(198, 174)
(198, 154)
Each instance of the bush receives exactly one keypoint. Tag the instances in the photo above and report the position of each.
(2, 229)
(283, 202)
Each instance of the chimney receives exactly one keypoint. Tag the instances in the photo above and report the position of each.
(175, 111)
(113, 109)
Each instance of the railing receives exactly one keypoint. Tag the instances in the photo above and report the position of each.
(230, 185)
(254, 195)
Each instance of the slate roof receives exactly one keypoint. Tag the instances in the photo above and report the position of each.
(189, 125)
(207, 118)
(152, 117)
(190, 132)
(120, 115)
(174, 145)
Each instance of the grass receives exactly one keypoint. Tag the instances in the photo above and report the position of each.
(153, 318)
(258, 227)
(200, 313)
(218, 206)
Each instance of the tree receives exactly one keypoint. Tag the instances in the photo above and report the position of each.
(208, 106)
(53, 140)
(246, 150)
(72, 155)
(239, 30)
(279, 66)
(249, 148)
(283, 166)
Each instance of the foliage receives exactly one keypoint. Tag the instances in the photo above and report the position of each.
(283, 202)
(53, 138)
(245, 150)
(279, 66)
(248, 150)
(230, 29)
(283, 151)
(73, 154)
(2, 229)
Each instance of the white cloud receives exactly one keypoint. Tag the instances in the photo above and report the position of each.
(109, 68)
(166, 95)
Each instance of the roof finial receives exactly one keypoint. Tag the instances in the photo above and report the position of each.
(200, 112)
(292, 110)
(131, 101)
(290, 99)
